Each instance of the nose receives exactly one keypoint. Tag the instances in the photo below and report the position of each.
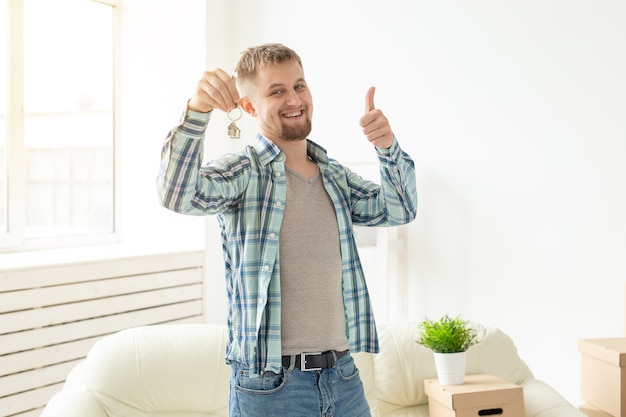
(293, 99)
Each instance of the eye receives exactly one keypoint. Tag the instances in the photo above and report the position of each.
(276, 92)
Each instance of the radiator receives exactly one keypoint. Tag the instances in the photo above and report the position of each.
(51, 316)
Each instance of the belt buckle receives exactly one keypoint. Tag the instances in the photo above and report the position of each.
(303, 366)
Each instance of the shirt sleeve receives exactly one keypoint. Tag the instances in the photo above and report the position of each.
(394, 201)
(181, 158)
(184, 185)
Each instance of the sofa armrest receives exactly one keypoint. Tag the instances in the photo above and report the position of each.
(541, 400)
(73, 403)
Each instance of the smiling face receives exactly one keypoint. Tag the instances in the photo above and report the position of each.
(279, 98)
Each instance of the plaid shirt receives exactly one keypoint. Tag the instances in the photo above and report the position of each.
(247, 191)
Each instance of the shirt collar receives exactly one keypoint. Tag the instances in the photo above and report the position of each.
(268, 150)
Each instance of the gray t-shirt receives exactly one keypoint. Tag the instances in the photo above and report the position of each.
(312, 310)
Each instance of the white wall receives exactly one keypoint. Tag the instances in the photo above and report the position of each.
(515, 115)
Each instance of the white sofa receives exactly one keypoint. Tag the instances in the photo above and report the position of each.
(179, 371)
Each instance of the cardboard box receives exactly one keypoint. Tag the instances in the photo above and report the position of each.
(481, 395)
(603, 374)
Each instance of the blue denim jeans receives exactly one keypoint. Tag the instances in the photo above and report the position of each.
(328, 392)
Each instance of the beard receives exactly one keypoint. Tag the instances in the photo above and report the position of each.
(291, 133)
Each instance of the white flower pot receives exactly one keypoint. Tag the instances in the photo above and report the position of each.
(450, 368)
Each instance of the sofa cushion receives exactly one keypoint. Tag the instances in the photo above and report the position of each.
(149, 370)
(495, 354)
(401, 367)
(413, 411)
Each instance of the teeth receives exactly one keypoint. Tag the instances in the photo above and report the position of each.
(294, 114)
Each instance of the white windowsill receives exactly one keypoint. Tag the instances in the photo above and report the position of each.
(76, 255)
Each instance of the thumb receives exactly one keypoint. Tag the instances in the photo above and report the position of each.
(369, 99)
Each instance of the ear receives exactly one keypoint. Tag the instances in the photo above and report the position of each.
(247, 106)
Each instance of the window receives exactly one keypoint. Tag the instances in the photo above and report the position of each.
(4, 43)
(57, 154)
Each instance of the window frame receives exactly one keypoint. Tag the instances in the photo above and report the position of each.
(13, 239)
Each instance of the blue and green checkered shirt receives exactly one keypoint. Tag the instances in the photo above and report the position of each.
(246, 190)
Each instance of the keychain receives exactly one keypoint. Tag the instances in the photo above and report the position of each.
(233, 131)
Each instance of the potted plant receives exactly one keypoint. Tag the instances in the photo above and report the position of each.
(448, 338)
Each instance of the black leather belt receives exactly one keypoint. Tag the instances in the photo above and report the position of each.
(314, 361)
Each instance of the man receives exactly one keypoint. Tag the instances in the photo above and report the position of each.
(293, 275)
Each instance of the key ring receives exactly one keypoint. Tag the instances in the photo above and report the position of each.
(234, 119)
(233, 131)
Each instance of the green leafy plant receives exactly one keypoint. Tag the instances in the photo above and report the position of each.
(447, 335)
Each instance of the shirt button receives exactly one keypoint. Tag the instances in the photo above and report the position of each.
(278, 174)
(272, 235)
(278, 204)
(266, 268)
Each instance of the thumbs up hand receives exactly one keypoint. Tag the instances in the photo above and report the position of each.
(374, 123)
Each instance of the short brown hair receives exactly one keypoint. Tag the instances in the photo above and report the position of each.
(257, 57)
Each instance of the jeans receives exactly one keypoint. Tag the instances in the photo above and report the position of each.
(328, 392)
